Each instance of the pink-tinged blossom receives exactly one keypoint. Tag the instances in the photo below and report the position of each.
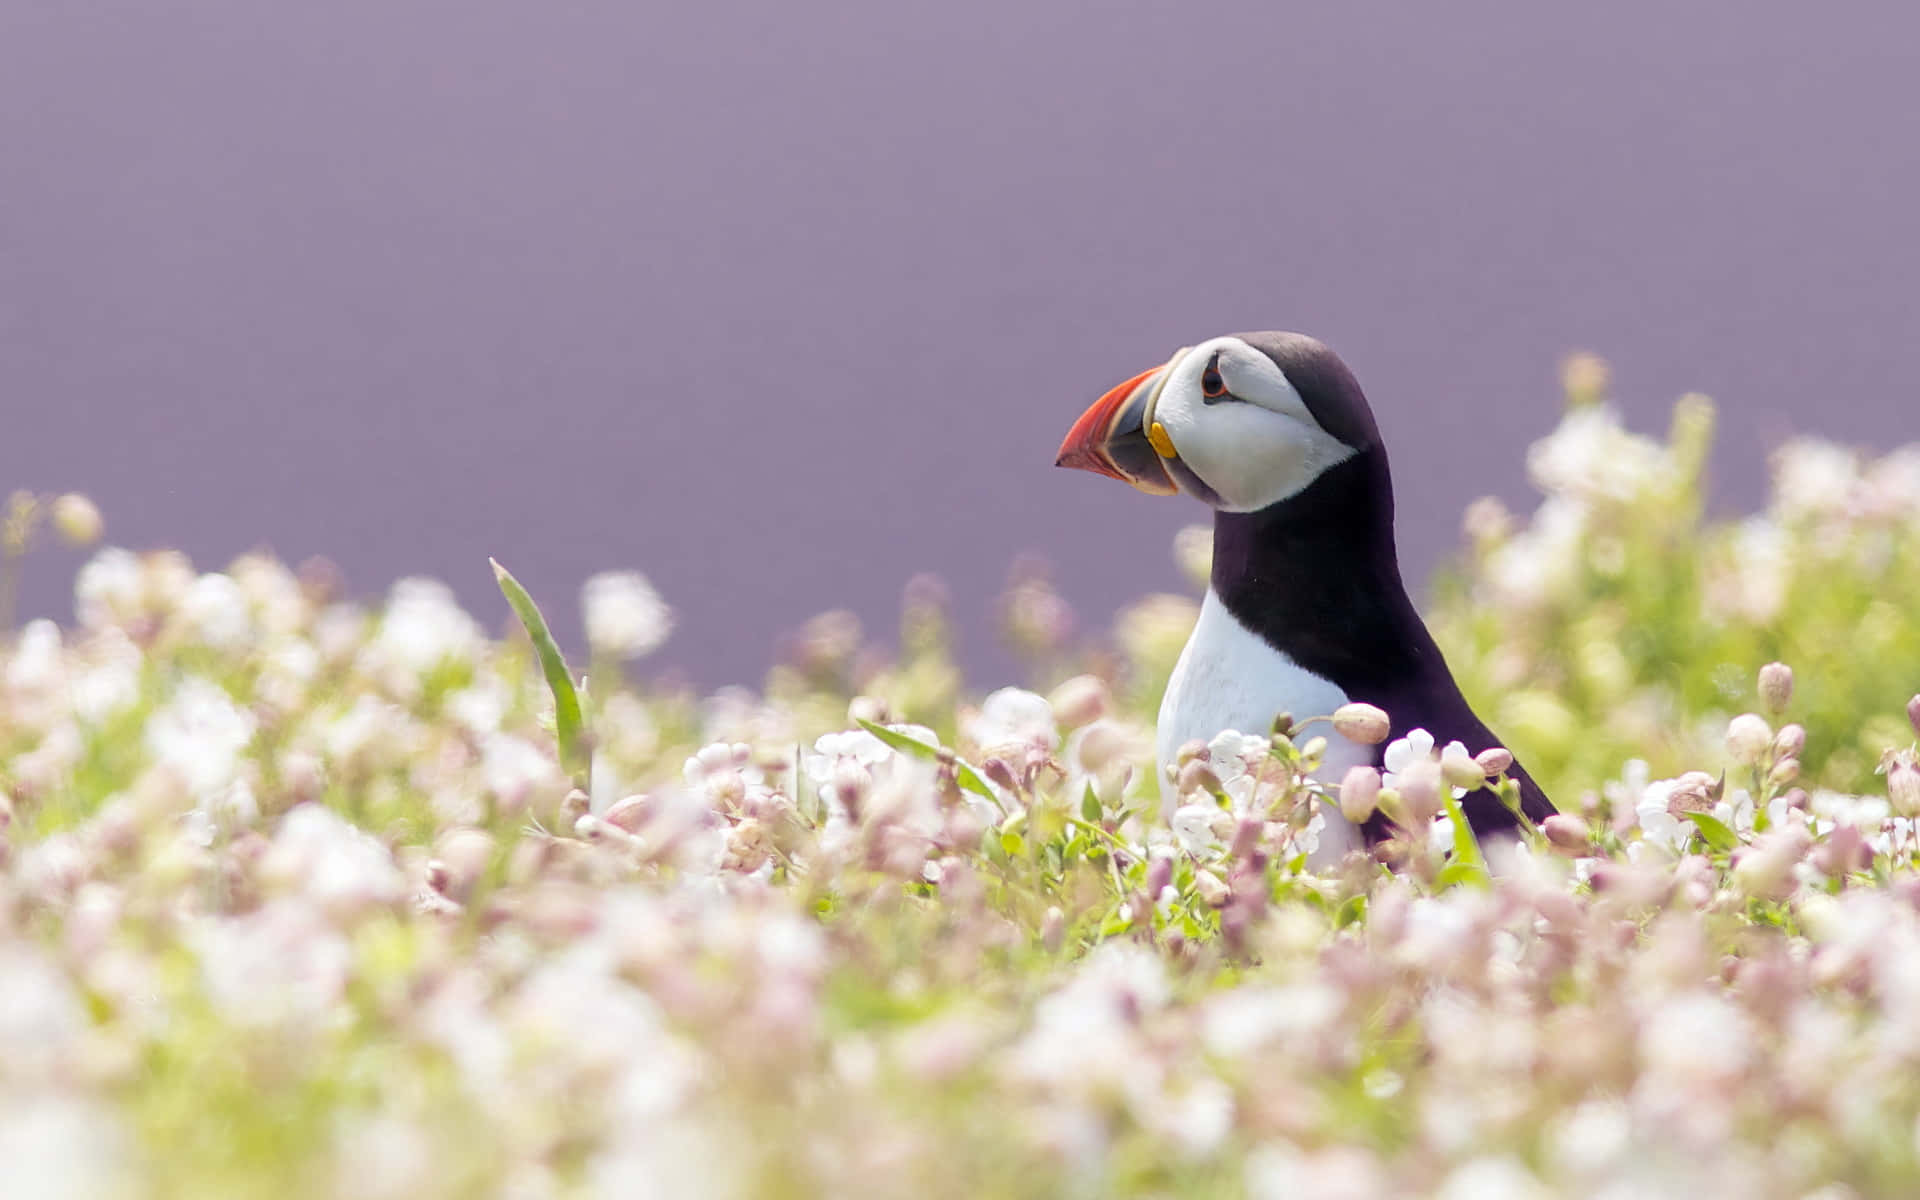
(331, 863)
(625, 616)
(216, 612)
(422, 628)
(199, 733)
(109, 590)
(1013, 718)
(282, 965)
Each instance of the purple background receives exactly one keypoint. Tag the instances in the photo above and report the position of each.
(784, 302)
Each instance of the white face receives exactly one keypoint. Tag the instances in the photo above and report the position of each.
(1254, 444)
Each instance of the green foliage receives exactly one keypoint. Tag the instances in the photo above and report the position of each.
(301, 900)
(1621, 622)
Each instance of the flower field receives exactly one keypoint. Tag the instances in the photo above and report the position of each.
(301, 898)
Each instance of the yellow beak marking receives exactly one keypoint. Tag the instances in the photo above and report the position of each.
(1162, 444)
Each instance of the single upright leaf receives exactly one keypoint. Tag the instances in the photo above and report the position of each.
(567, 723)
(1713, 830)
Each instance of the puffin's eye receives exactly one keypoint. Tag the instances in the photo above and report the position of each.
(1211, 385)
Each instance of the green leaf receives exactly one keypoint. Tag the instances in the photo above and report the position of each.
(568, 726)
(963, 772)
(1466, 847)
(1090, 805)
(1713, 830)
(1456, 873)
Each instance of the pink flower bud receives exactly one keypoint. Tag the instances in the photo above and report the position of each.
(629, 813)
(1362, 723)
(851, 783)
(1765, 869)
(1079, 701)
(868, 708)
(997, 769)
(1419, 787)
(1159, 875)
(77, 520)
(1913, 714)
(1460, 769)
(1785, 771)
(1359, 792)
(1749, 737)
(1844, 850)
(1567, 832)
(1213, 890)
(1494, 760)
(1246, 836)
(1790, 741)
(1197, 776)
(1776, 686)
(1903, 785)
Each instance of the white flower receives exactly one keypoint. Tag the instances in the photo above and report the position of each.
(1235, 759)
(1591, 458)
(40, 1015)
(56, 1145)
(856, 744)
(216, 610)
(1736, 811)
(1814, 478)
(1761, 565)
(1658, 826)
(625, 616)
(332, 863)
(1239, 1021)
(36, 677)
(1197, 827)
(1698, 1036)
(278, 965)
(108, 590)
(1492, 1179)
(423, 627)
(1418, 745)
(1832, 808)
(36, 662)
(200, 733)
(1013, 717)
(516, 770)
(111, 683)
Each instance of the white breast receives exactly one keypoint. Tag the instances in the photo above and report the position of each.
(1228, 678)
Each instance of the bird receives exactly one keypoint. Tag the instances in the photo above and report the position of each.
(1305, 608)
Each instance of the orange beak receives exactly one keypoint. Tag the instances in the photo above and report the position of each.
(1111, 437)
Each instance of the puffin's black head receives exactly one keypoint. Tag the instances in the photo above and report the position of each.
(1242, 422)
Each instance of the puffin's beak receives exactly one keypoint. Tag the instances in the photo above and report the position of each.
(1111, 438)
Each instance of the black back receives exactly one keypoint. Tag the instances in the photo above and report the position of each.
(1317, 577)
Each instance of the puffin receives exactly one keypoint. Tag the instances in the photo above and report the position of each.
(1305, 609)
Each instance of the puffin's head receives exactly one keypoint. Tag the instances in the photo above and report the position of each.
(1242, 422)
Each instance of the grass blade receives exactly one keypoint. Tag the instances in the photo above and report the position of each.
(567, 724)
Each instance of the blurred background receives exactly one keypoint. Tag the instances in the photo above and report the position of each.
(782, 304)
